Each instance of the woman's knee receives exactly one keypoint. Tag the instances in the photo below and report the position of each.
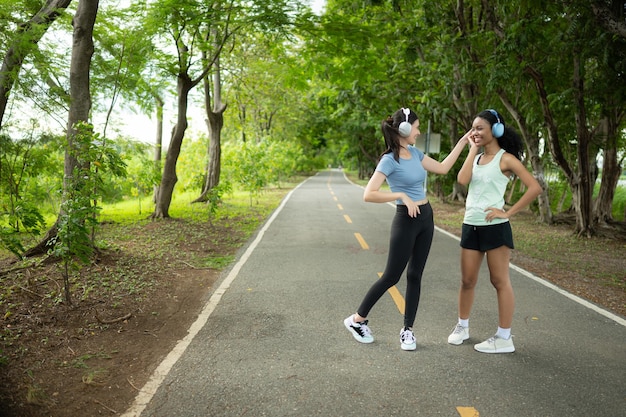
(389, 280)
(500, 282)
(468, 283)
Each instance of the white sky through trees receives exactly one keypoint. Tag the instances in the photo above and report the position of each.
(125, 121)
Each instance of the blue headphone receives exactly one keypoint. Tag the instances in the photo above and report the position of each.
(497, 129)
(405, 127)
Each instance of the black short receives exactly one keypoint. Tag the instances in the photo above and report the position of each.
(484, 238)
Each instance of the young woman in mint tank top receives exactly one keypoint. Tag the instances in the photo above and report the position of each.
(404, 168)
(486, 228)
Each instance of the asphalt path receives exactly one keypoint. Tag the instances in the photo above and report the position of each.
(271, 340)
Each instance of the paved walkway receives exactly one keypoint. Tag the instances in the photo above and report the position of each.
(271, 341)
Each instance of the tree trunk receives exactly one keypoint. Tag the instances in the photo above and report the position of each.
(82, 51)
(27, 36)
(559, 207)
(169, 178)
(583, 190)
(242, 120)
(158, 145)
(459, 192)
(610, 18)
(509, 197)
(553, 142)
(158, 142)
(215, 122)
(611, 171)
(80, 103)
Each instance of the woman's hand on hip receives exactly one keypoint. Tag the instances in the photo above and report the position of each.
(495, 213)
(412, 206)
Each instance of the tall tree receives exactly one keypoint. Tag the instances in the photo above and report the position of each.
(182, 22)
(214, 108)
(126, 67)
(200, 31)
(263, 17)
(82, 52)
(595, 95)
(80, 105)
(504, 35)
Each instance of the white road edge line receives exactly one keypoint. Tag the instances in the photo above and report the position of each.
(146, 393)
(542, 281)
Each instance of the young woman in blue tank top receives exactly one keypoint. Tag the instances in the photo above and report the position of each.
(486, 228)
(404, 168)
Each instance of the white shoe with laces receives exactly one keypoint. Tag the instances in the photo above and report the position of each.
(496, 344)
(459, 335)
(360, 331)
(407, 339)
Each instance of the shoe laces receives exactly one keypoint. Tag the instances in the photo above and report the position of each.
(492, 340)
(363, 328)
(458, 329)
(407, 336)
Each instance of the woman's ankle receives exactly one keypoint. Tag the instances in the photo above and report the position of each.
(358, 318)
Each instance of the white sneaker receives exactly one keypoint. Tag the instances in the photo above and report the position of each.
(496, 344)
(458, 335)
(407, 339)
(360, 331)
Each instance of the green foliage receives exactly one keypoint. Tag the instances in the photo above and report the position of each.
(215, 195)
(32, 222)
(192, 164)
(319, 84)
(253, 166)
(250, 167)
(561, 199)
(24, 167)
(142, 173)
(619, 204)
(353, 86)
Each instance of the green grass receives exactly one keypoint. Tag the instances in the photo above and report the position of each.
(145, 249)
(234, 204)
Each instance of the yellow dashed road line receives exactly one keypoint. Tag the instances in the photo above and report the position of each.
(362, 241)
(467, 412)
(396, 296)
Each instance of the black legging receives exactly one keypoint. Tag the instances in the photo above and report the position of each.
(409, 242)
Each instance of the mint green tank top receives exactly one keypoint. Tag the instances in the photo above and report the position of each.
(486, 189)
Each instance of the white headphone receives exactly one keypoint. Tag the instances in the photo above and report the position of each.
(405, 127)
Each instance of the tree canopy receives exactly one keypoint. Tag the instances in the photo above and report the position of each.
(274, 73)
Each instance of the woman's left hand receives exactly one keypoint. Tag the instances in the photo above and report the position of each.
(495, 213)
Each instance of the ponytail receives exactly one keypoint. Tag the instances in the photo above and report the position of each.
(390, 126)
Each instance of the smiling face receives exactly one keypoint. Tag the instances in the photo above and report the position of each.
(481, 132)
